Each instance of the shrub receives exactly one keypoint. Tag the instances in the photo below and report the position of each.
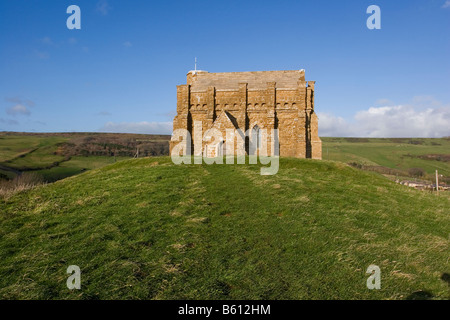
(416, 172)
(415, 142)
(357, 140)
(20, 183)
(355, 165)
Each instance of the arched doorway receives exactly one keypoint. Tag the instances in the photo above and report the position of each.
(256, 138)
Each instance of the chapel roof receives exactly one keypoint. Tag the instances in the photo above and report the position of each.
(201, 80)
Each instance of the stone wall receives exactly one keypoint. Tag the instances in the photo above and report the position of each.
(280, 100)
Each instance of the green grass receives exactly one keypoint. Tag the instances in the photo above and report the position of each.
(391, 153)
(40, 158)
(148, 229)
(7, 174)
(76, 165)
(13, 146)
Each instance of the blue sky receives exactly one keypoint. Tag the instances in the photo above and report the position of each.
(120, 71)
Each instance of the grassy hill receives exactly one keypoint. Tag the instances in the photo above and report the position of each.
(148, 229)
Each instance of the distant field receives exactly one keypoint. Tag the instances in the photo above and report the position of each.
(397, 153)
(55, 156)
(14, 146)
(59, 155)
(77, 165)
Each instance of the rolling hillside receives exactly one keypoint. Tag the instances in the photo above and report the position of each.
(148, 229)
(399, 154)
(54, 156)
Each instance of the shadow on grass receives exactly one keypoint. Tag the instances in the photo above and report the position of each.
(425, 295)
(420, 295)
(446, 277)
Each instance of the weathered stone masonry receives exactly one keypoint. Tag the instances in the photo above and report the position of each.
(280, 100)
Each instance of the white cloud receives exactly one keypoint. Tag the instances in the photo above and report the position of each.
(332, 126)
(127, 44)
(404, 121)
(18, 109)
(138, 127)
(446, 4)
(103, 7)
(389, 121)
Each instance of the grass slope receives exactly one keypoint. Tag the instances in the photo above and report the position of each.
(148, 229)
